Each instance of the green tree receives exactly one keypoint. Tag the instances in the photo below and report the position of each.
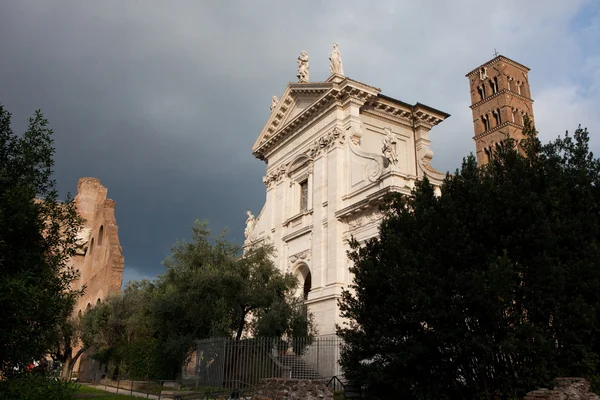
(487, 291)
(67, 337)
(209, 289)
(37, 240)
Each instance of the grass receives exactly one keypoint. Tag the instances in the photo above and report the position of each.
(86, 392)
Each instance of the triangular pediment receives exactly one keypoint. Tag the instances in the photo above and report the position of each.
(297, 98)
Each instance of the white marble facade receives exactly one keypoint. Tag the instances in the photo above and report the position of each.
(332, 150)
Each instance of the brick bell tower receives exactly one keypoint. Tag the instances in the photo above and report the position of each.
(500, 99)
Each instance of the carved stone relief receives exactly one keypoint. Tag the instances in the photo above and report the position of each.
(366, 218)
(324, 142)
(275, 176)
(301, 256)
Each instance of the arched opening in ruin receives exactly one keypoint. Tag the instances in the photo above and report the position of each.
(100, 235)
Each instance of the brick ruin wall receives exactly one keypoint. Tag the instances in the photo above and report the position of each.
(100, 258)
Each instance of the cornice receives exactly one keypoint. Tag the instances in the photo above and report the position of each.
(497, 94)
(341, 92)
(298, 120)
(497, 128)
(371, 201)
(495, 61)
(298, 233)
(404, 113)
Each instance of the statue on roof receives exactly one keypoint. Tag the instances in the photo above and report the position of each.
(303, 67)
(274, 102)
(335, 61)
(389, 146)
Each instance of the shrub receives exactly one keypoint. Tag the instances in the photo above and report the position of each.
(36, 387)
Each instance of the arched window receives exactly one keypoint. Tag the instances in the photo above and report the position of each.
(98, 302)
(91, 247)
(481, 92)
(495, 84)
(486, 122)
(302, 273)
(497, 117)
(100, 235)
(488, 153)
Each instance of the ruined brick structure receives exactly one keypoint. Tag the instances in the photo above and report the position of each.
(99, 257)
(565, 389)
(500, 100)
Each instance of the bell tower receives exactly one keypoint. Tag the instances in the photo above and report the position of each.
(500, 99)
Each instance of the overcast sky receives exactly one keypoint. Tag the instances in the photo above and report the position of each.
(162, 100)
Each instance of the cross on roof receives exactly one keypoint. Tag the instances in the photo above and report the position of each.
(495, 52)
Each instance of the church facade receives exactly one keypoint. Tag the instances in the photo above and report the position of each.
(332, 150)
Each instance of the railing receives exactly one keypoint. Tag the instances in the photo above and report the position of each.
(335, 384)
(225, 362)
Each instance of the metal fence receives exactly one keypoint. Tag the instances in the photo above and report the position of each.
(225, 362)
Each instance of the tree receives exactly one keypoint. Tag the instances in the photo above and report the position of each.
(487, 291)
(67, 337)
(37, 240)
(209, 289)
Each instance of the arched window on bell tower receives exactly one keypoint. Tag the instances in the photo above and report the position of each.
(497, 117)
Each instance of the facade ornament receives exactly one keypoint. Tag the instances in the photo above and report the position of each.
(303, 255)
(275, 176)
(366, 218)
(274, 102)
(389, 146)
(250, 223)
(303, 76)
(335, 61)
(326, 141)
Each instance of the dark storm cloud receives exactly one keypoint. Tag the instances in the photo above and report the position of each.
(162, 101)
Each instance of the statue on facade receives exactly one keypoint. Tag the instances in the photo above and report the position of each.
(303, 67)
(274, 102)
(250, 222)
(389, 146)
(335, 61)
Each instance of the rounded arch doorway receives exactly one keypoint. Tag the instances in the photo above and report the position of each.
(302, 273)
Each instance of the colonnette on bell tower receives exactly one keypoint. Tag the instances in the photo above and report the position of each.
(500, 100)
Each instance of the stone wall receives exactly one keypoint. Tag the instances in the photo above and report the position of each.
(99, 258)
(565, 389)
(292, 389)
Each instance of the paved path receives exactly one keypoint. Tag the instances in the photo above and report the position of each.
(125, 391)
